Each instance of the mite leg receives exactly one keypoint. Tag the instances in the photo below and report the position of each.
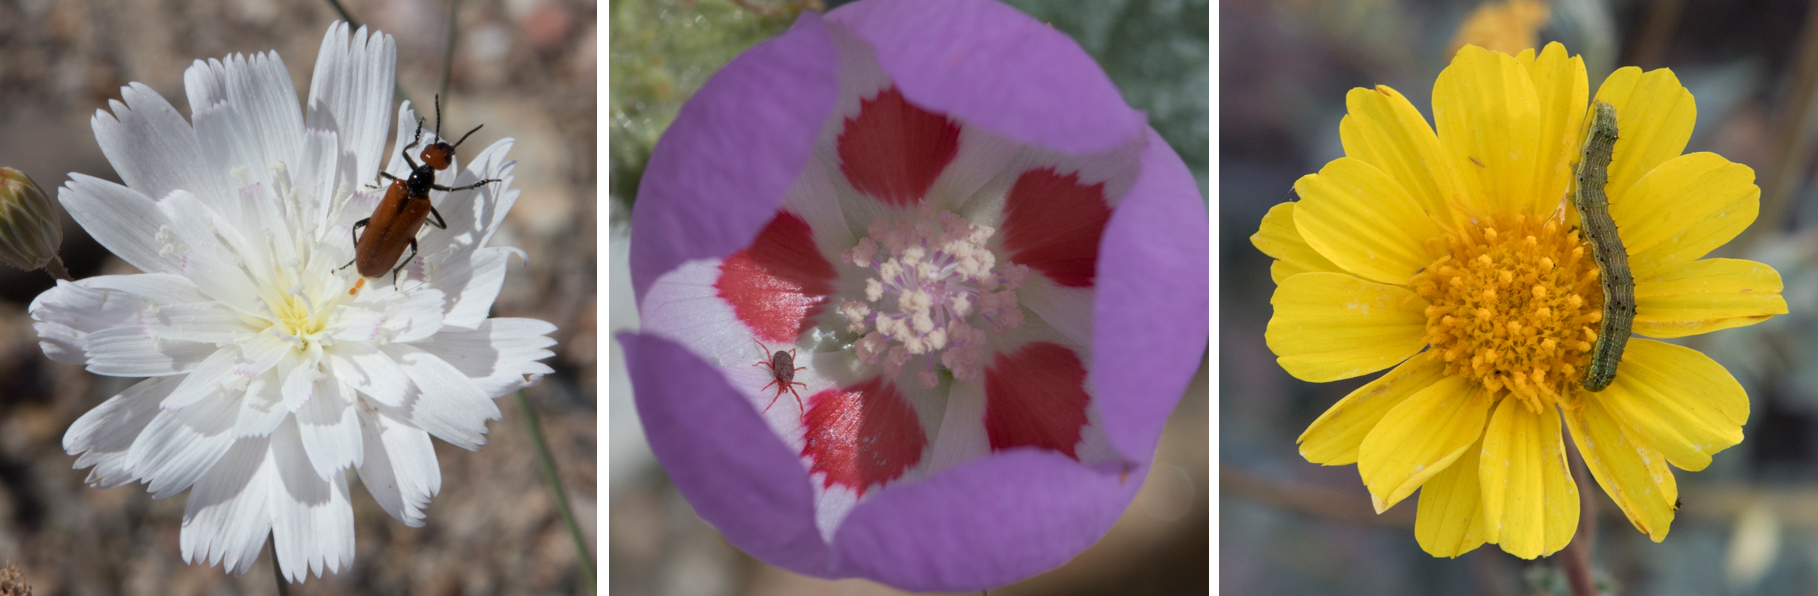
(353, 234)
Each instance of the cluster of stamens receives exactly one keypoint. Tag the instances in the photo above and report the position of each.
(932, 274)
(1513, 305)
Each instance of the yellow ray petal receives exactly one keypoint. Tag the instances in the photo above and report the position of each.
(1678, 401)
(1278, 238)
(1333, 439)
(1362, 220)
(1684, 208)
(1707, 295)
(1450, 520)
(1530, 504)
(1654, 116)
(1560, 85)
(1330, 326)
(1384, 130)
(1635, 475)
(1488, 115)
(1419, 438)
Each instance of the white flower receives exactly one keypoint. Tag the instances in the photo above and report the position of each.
(268, 380)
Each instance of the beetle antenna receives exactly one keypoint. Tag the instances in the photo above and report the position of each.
(438, 116)
(469, 134)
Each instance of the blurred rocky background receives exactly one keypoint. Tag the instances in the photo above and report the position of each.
(662, 51)
(1748, 523)
(525, 68)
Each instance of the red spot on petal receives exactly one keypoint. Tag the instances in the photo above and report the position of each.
(893, 150)
(1036, 397)
(779, 284)
(1052, 224)
(862, 435)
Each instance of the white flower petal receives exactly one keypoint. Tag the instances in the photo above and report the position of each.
(178, 446)
(499, 355)
(417, 316)
(299, 381)
(814, 198)
(213, 252)
(68, 313)
(162, 289)
(446, 404)
(311, 518)
(474, 281)
(371, 372)
(683, 306)
(233, 364)
(246, 116)
(261, 408)
(102, 437)
(151, 146)
(961, 437)
(350, 90)
(329, 431)
(131, 352)
(228, 514)
(124, 221)
(206, 322)
(321, 175)
(1067, 310)
(400, 468)
(354, 324)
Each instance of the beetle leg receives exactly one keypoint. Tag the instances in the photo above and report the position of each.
(378, 181)
(468, 187)
(406, 263)
(353, 233)
(439, 222)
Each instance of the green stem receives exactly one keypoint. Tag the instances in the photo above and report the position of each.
(555, 486)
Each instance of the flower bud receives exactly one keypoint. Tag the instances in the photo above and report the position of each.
(29, 230)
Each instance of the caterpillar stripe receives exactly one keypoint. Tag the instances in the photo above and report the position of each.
(1612, 258)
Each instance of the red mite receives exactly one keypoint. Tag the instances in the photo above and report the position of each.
(400, 215)
(782, 372)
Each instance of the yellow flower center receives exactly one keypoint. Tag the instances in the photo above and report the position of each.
(1513, 306)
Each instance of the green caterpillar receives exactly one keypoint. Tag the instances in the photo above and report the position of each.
(1612, 258)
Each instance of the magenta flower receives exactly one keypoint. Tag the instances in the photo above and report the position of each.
(990, 271)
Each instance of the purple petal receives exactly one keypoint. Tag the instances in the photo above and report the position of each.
(1151, 314)
(984, 524)
(721, 170)
(722, 456)
(988, 64)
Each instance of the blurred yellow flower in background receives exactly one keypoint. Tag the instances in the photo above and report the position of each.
(1454, 257)
(1506, 27)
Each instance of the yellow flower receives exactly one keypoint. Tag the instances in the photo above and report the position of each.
(1463, 244)
(1510, 26)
